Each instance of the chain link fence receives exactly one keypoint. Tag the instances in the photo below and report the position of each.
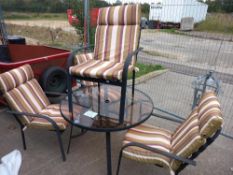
(187, 55)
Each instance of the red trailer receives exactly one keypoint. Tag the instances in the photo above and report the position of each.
(47, 63)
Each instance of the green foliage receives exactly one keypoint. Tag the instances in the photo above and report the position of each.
(227, 6)
(220, 6)
(77, 7)
(98, 4)
(145, 10)
(145, 69)
(53, 6)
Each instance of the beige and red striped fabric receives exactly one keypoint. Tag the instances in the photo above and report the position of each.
(53, 112)
(116, 36)
(209, 113)
(150, 136)
(120, 15)
(12, 79)
(187, 139)
(107, 70)
(80, 59)
(24, 94)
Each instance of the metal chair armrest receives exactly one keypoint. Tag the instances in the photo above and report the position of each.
(158, 151)
(19, 114)
(128, 61)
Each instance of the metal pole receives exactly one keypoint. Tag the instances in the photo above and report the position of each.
(87, 21)
(108, 153)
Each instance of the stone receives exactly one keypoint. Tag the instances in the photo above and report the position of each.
(187, 24)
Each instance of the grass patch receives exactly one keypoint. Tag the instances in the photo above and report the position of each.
(217, 22)
(145, 69)
(172, 31)
(34, 16)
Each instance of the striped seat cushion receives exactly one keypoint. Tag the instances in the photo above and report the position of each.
(209, 114)
(150, 136)
(107, 70)
(53, 112)
(186, 139)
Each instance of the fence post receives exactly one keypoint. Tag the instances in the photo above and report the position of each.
(86, 22)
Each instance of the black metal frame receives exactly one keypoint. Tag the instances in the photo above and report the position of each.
(122, 83)
(19, 115)
(185, 162)
(108, 131)
(209, 141)
(155, 150)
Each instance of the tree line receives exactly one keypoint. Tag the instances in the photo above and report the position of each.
(44, 6)
(52, 6)
(60, 6)
(225, 6)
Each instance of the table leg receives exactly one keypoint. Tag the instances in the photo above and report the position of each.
(108, 153)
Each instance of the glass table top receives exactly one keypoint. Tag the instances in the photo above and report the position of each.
(100, 111)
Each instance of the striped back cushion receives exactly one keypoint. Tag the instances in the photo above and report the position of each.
(82, 58)
(120, 15)
(209, 114)
(186, 139)
(117, 33)
(23, 92)
(12, 79)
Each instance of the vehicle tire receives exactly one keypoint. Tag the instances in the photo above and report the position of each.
(54, 80)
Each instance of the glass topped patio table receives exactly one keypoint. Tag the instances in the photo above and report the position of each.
(96, 108)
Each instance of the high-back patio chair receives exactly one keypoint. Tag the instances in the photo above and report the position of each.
(175, 150)
(115, 52)
(29, 104)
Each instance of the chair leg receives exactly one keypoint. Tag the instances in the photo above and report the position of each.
(98, 98)
(71, 131)
(70, 105)
(69, 88)
(133, 84)
(23, 139)
(122, 102)
(61, 145)
(119, 163)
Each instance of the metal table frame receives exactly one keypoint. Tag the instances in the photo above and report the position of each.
(109, 130)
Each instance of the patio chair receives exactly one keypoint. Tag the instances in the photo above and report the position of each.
(175, 150)
(29, 104)
(115, 52)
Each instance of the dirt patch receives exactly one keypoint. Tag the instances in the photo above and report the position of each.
(54, 24)
(45, 35)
